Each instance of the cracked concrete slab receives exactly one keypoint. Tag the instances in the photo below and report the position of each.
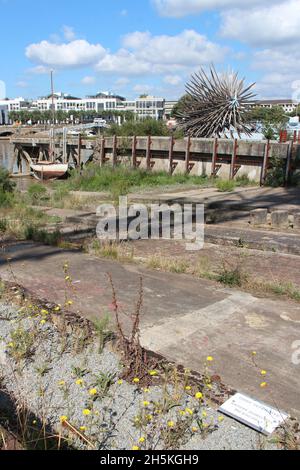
(184, 318)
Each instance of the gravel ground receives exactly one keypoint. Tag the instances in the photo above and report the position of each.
(46, 383)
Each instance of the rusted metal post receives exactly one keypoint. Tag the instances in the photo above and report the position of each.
(265, 163)
(102, 152)
(214, 157)
(134, 162)
(115, 155)
(148, 153)
(171, 154)
(288, 162)
(233, 158)
(79, 150)
(188, 155)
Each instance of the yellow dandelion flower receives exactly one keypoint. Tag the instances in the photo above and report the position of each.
(120, 382)
(11, 345)
(209, 386)
(146, 403)
(199, 396)
(67, 278)
(82, 428)
(142, 440)
(93, 392)
(86, 412)
(44, 312)
(136, 380)
(263, 385)
(221, 419)
(194, 429)
(209, 359)
(146, 390)
(171, 424)
(63, 419)
(153, 373)
(188, 388)
(43, 322)
(79, 382)
(182, 413)
(149, 417)
(57, 309)
(254, 353)
(189, 411)
(70, 302)
(263, 372)
(204, 414)
(135, 448)
(61, 383)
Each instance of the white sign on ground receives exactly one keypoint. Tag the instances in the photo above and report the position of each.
(253, 413)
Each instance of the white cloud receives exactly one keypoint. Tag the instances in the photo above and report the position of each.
(280, 68)
(142, 89)
(180, 8)
(265, 25)
(143, 53)
(69, 33)
(88, 80)
(173, 80)
(122, 82)
(40, 70)
(77, 53)
(22, 84)
(123, 62)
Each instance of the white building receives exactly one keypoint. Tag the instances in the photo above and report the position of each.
(63, 102)
(149, 107)
(288, 105)
(16, 104)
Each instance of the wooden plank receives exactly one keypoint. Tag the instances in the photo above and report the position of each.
(265, 163)
(171, 154)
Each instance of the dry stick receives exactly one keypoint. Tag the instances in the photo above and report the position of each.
(81, 436)
(116, 308)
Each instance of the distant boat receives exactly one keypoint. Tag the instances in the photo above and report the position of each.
(49, 171)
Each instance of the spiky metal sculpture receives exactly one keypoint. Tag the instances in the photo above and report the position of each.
(215, 105)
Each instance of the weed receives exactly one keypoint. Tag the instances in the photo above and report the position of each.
(3, 225)
(226, 186)
(42, 236)
(103, 383)
(36, 193)
(102, 330)
(231, 277)
(22, 344)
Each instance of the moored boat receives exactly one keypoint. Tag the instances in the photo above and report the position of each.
(49, 171)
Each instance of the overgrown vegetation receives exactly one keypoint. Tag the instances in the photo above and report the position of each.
(139, 128)
(276, 173)
(6, 188)
(121, 180)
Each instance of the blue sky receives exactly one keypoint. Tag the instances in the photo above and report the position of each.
(147, 46)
